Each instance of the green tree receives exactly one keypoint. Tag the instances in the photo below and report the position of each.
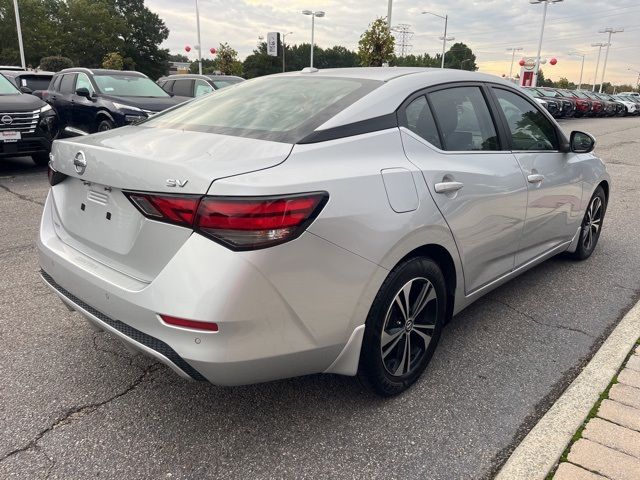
(227, 60)
(422, 60)
(55, 63)
(113, 61)
(460, 57)
(376, 44)
(542, 81)
(259, 63)
(178, 57)
(339, 57)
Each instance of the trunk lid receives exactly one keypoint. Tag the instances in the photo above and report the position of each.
(92, 214)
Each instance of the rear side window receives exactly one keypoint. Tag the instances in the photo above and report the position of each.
(281, 109)
(419, 120)
(55, 85)
(66, 86)
(183, 88)
(464, 119)
(530, 128)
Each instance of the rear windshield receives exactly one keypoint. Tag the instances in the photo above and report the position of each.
(281, 108)
(128, 86)
(6, 87)
(35, 82)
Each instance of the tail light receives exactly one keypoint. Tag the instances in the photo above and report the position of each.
(55, 177)
(239, 223)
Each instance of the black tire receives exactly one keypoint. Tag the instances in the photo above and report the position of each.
(387, 370)
(591, 225)
(40, 159)
(105, 124)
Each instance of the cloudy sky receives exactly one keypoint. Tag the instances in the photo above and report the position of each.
(489, 27)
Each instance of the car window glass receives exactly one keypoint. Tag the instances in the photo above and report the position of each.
(464, 119)
(183, 88)
(202, 88)
(225, 83)
(56, 83)
(66, 86)
(530, 128)
(419, 120)
(83, 82)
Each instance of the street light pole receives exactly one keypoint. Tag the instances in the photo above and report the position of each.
(389, 9)
(513, 58)
(544, 19)
(610, 31)
(284, 36)
(19, 30)
(199, 42)
(576, 54)
(595, 77)
(318, 14)
(444, 38)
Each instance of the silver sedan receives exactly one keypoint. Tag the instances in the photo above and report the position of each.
(319, 221)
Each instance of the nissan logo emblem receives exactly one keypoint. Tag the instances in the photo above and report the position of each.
(80, 163)
(7, 119)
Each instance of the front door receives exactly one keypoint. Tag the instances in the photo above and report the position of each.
(84, 109)
(478, 187)
(553, 178)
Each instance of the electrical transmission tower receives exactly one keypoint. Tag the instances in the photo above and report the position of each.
(403, 37)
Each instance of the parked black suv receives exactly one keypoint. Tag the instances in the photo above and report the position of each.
(192, 85)
(93, 100)
(27, 124)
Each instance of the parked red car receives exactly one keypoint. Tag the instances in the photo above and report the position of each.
(583, 105)
(597, 106)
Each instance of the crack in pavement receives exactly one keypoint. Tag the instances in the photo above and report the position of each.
(526, 315)
(81, 411)
(21, 196)
(129, 358)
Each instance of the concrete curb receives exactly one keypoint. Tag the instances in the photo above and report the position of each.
(542, 447)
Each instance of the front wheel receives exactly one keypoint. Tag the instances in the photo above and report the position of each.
(591, 225)
(105, 124)
(403, 327)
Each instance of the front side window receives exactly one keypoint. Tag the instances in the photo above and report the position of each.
(419, 119)
(123, 85)
(284, 109)
(83, 82)
(183, 88)
(464, 119)
(202, 88)
(530, 128)
(6, 87)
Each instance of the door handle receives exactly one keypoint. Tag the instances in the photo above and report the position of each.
(535, 178)
(448, 187)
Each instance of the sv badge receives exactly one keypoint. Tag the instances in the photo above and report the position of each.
(174, 182)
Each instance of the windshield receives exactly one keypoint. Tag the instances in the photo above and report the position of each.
(548, 93)
(278, 108)
(7, 88)
(226, 82)
(128, 86)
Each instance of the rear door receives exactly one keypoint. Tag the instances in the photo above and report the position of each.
(183, 88)
(553, 178)
(63, 100)
(451, 135)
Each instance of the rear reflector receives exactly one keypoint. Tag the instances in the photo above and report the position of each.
(239, 223)
(194, 324)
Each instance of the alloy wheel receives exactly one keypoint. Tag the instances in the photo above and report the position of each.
(409, 326)
(592, 223)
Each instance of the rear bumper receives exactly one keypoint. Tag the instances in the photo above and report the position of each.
(282, 312)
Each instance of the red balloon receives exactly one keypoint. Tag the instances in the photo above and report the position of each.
(187, 49)
(213, 51)
(522, 62)
(553, 61)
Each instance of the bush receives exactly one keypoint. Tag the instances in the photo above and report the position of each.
(113, 61)
(55, 63)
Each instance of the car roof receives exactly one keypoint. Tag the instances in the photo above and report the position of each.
(397, 84)
(198, 76)
(21, 73)
(102, 71)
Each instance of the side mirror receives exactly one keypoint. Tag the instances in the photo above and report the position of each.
(84, 92)
(582, 142)
(26, 90)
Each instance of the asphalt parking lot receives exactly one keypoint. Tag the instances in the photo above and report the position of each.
(75, 403)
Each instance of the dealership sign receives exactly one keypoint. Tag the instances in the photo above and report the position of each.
(273, 39)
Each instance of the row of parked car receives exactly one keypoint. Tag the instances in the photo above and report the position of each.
(37, 107)
(582, 103)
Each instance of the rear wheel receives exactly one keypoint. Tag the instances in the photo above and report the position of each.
(591, 225)
(40, 159)
(105, 124)
(403, 327)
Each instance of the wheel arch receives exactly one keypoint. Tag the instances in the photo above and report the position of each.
(605, 186)
(104, 115)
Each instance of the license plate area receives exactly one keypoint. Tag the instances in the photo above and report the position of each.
(10, 136)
